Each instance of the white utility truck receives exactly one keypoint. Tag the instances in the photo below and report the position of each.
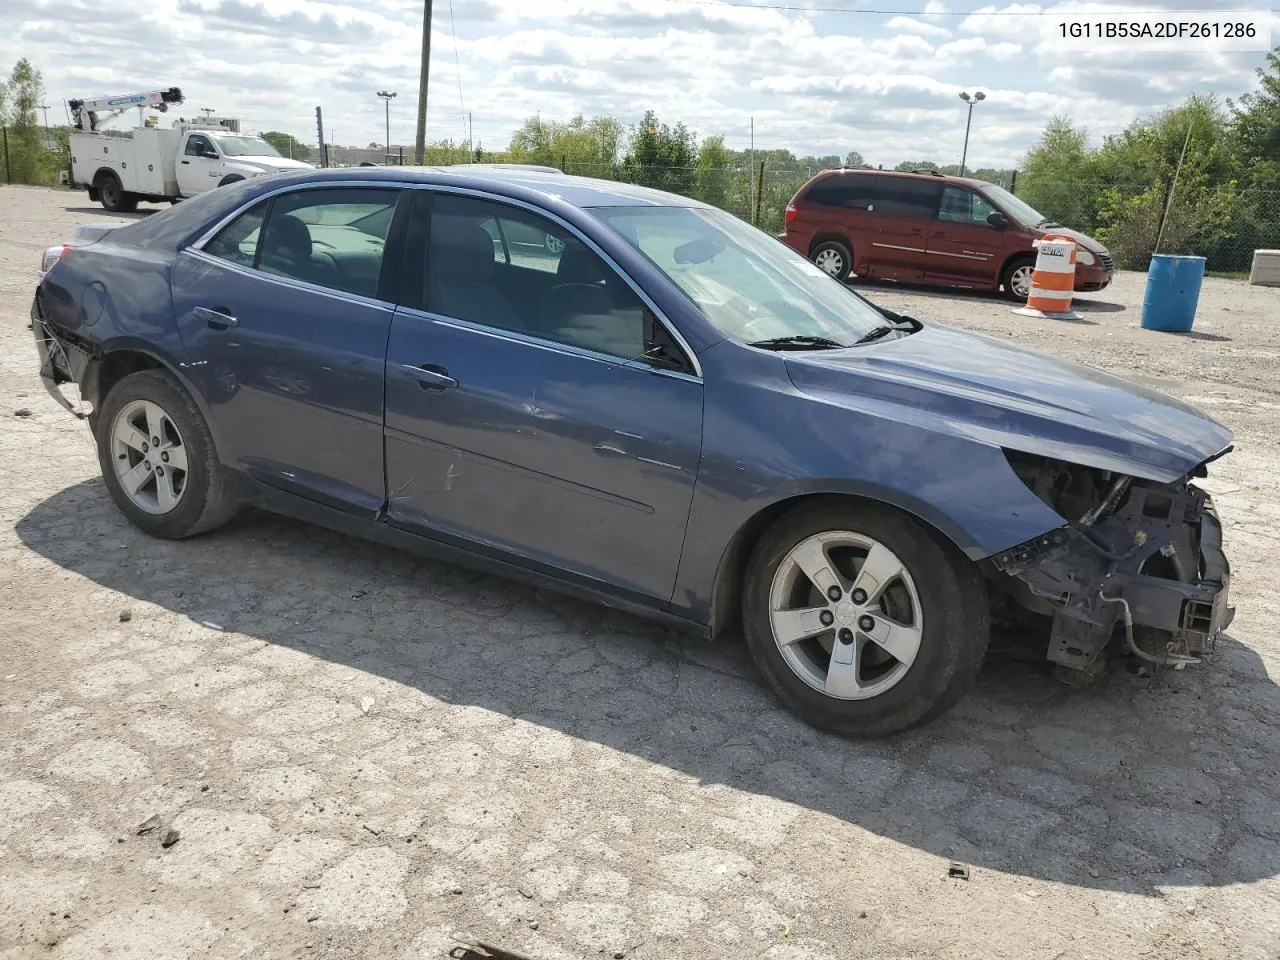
(160, 164)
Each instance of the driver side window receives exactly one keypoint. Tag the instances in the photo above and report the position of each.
(198, 146)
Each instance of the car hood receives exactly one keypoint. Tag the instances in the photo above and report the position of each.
(1081, 239)
(998, 393)
(270, 163)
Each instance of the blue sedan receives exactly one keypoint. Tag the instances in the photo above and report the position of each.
(639, 399)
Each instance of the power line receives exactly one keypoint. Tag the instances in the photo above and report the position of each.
(457, 64)
(804, 8)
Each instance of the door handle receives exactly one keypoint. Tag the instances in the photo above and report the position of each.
(607, 448)
(430, 376)
(185, 161)
(219, 318)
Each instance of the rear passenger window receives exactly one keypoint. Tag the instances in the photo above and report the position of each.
(907, 197)
(332, 238)
(507, 267)
(238, 241)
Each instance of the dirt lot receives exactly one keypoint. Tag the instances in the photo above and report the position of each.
(362, 751)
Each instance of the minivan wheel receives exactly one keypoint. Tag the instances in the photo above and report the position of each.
(1016, 278)
(833, 258)
(863, 621)
(158, 459)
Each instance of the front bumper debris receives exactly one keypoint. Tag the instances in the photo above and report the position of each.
(1154, 569)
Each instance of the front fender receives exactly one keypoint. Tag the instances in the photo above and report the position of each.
(765, 443)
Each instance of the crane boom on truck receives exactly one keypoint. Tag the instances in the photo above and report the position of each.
(86, 112)
(161, 164)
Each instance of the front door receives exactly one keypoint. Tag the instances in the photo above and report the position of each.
(901, 211)
(964, 249)
(281, 318)
(518, 416)
(199, 166)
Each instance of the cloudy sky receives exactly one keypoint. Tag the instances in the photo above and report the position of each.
(817, 76)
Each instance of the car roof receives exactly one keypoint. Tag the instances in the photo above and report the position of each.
(936, 177)
(511, 180)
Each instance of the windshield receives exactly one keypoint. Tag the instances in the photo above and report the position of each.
(245, 147)
(1020, 210)
(748, 284)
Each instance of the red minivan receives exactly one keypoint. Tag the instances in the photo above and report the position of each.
(928, 228)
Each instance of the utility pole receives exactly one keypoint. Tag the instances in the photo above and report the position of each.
(45, 108)
(752, 192)
(386, 96)
(420, 141)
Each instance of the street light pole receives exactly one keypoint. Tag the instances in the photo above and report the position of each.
(386, 96)
(968, 121)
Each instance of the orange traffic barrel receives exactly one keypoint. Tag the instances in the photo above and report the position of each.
(1053, 280)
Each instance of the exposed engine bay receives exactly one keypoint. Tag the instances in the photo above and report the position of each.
(1138, 561)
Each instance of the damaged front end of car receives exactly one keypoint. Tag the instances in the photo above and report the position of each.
(1141, 562)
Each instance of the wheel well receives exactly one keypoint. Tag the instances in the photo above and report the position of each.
(113, 368)
(821, 238)
(1012, 259)
(726, 595)
(103, 174)
(230, 178)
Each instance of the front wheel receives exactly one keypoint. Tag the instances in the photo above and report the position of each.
(158, 458)
(1016, 278)
(861, 620)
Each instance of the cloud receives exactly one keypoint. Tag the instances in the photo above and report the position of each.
(814, 82)
(912, 25)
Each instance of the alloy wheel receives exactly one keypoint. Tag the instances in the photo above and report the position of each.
(149, 456)
(830, 261)
(1020, 280)
(845, 615)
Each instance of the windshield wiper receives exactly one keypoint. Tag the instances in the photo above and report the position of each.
(797, 342)
(878, 333)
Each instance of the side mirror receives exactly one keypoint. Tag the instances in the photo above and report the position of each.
(997, 219)
(659, 350)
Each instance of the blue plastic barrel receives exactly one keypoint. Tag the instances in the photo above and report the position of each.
(1173, 291)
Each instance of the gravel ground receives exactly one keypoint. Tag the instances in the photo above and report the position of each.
(362, 752)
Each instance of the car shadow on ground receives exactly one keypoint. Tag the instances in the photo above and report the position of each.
(1138, 784)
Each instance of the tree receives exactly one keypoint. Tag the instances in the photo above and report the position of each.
(586, 147)
(661, 156)
(23, 93)
(854, 159)
(1058, 178)
(288, 145)
(715, 171)
(1257, 116)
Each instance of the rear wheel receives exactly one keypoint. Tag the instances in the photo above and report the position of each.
(158, 458)
(1016, 278)
(833, 258)
(113, 195)
(861, 620)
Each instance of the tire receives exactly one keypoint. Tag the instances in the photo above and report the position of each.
(113, 195)
(1010, 276)
(940, 605)
(230, 178)
(203, 497)
(833, 258)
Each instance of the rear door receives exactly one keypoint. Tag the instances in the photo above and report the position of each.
(964, 249)
(285, 320)
(902, 211)
(520, 419)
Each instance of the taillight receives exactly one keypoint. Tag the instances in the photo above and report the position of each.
(50, 257)
(790, 214)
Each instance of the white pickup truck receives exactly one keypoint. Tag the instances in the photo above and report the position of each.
(168, 164)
